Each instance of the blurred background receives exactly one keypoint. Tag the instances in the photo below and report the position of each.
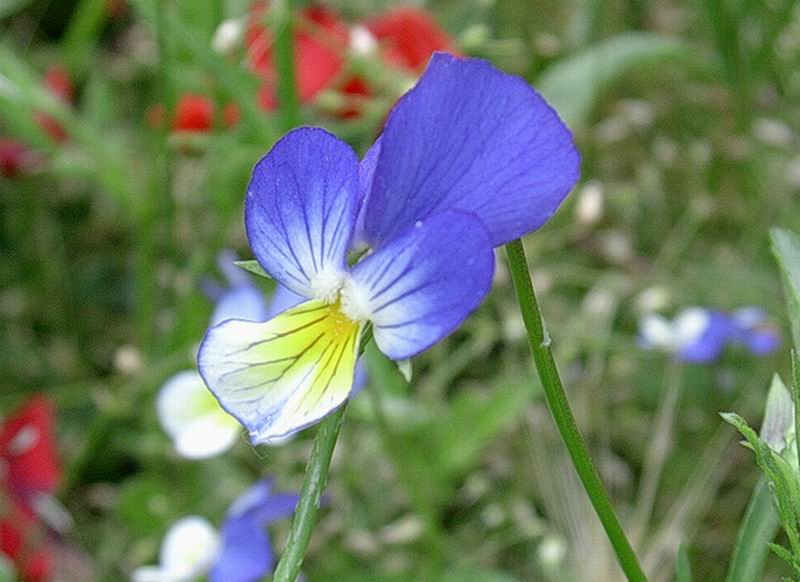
(127, 134)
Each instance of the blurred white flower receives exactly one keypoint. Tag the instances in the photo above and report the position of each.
(589, 208)
(362, 41)
(228, 36)
(187, 553)
(193, 418)
(657, 332)
(773, 132)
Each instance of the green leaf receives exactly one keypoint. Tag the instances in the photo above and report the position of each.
(786, 248)
(683, 569)
(758, 528)
(254, 267)
(778, 415)
(574, 85)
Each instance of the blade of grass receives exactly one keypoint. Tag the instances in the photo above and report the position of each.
(759, 526)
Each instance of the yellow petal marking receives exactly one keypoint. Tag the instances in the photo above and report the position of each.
(283, 375)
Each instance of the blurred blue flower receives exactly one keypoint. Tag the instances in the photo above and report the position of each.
(241, 299)
(246, 551)
(240, 552)
(469, 159)
(698, 335)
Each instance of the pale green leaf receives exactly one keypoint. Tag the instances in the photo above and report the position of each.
(253, 267)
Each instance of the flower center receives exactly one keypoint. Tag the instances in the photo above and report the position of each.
(326, 285)
(355, 301)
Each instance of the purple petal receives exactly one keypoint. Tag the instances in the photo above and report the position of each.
(283, 299)
(245, 554)
(243, 302)
(366, 175)
(301, 208)
(472, 138)
(421, 286)
(709, 345)
(761, 342)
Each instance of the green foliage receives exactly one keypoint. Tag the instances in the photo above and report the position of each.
(574, 85)
(784, 482)
(254, 267)
(786, 248)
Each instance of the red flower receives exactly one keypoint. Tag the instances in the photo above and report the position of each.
(29, 468)
(15, 157)
(410, 36)
(320, 44)
(193, 113)
(56, 80)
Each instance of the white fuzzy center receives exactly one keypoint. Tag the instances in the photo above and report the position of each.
(355, 301)
(326, 285)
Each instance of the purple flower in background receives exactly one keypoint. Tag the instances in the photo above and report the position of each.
(751, 329)
(240, 552)
(698, 335)
(469, 159)
(241, 299)
(246, 551)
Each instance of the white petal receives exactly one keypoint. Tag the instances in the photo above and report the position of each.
(189, 548)
(689, 325)
(190, 414)
(656, 331)
(208, 436)
(150, 574)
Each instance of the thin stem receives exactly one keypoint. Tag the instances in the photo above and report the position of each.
(539, 342)
(657, 452)
(305, 515)
(284, 64)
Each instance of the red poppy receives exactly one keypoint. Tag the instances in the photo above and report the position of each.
(193, 113)
(28, 468)
(410, 36)
(56, 80)
(15, 157)
(320, 44)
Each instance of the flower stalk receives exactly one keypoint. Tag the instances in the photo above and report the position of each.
(539, 342)
(305, 516)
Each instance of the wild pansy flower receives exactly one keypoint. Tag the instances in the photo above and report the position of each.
(700, 335)
(240, 552)
(188, 412)
(29, 475)
(246, 551)
(470, 158)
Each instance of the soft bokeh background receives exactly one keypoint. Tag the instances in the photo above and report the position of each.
(686, 116)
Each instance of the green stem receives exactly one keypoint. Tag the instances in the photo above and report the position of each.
(305, 515)
(284, 65)
(539, 342)
(759, 526)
